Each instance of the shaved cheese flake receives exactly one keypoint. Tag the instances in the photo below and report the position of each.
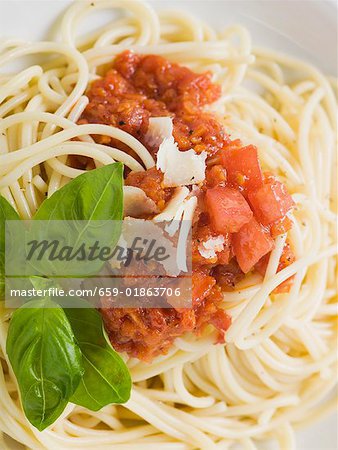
(180, 168)
(160, 128)
(186, 224)
(136, 203)
(187, 210)
(180, 194)
(209, 248)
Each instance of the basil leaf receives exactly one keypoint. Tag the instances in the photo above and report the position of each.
(43, 283)
(106, 378)
(7, 212)
(94, 195)
(2, 276)
(45, 359)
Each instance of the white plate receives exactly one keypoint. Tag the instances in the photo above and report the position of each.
(303, 28)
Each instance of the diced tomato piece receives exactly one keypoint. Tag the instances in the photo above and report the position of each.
(223, 257)
(271, 202)
(201, 285)
(286, 259)
(227, 208)
(243, 168)
(280, 227)
(250, 244)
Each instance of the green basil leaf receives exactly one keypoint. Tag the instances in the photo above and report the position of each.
(43, 283)
(45, 359)
(94, 195)
(7, 212)
(87, 206)
(2, 276)
(106, 378)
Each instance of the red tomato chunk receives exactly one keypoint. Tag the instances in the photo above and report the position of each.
(271, 202)
(242, 165)
(280, 227)
(250, 244)
(228, 209)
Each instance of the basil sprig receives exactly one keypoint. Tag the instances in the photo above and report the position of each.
(61, 355)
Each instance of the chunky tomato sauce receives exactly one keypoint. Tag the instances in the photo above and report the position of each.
(238, 204)
(139, 87)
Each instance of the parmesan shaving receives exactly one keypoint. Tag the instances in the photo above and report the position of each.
(160, 128)
(209, 248)
(180, 194)
(180, 168)
(137, 203)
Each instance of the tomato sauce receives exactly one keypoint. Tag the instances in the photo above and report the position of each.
(148, 332)
(139, 87)
(238, 205)
(151, 182)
